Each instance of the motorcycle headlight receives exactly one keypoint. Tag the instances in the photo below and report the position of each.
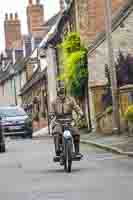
(67, 134)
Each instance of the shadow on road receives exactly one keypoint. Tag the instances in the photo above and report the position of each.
(56, 171)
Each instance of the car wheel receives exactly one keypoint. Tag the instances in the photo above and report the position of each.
(30, 136)
(2, 148)
(24, 136)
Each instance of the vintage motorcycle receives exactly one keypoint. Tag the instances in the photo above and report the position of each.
(64, 143)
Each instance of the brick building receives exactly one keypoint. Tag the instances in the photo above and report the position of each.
(12, 27)
(35, 19)
(89, 17)
(13, 36)
(17, 45)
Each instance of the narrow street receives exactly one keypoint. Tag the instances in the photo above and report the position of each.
(28, 173)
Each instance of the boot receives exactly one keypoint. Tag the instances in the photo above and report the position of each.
(56, 144)
(77, 152)
(57, 152)
(62, 159)
(76, 146)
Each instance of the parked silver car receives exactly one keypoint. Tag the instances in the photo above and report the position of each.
(15, 121)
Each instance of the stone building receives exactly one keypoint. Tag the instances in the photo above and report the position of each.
(87, 17)
(35, 88)
(37, 85)
(97, 59)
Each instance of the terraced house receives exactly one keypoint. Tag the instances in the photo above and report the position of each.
(16, 69)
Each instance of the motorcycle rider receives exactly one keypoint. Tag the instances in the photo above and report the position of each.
(63, 107)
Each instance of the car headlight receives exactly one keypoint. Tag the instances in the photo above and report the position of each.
(22, 122)
(5, 123)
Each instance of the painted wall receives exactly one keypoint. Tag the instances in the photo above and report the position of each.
(7, 90)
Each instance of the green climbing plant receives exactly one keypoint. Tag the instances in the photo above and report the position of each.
(75, 72)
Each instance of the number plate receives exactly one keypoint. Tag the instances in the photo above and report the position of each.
(15, 128)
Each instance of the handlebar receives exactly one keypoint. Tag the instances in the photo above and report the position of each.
(64, 121)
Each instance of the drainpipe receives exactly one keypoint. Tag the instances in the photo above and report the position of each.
(47, 107)
(88, 109)
(15, 92)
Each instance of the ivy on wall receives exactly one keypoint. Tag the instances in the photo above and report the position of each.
(75, 72)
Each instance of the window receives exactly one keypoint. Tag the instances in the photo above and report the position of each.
(131, 98)
(12, 112)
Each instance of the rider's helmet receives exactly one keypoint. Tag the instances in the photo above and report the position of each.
(60, 88)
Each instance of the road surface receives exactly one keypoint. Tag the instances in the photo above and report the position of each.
(28, 173)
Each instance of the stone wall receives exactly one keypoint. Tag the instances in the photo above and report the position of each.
(103, 120)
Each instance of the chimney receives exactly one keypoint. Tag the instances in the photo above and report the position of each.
(62, 5)
(6, 16)
(12, 29)
(37, 2)
(35, 17)
(30, 2)
(11, 16)
(16, 16)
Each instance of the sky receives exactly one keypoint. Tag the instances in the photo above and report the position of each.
(50, 8)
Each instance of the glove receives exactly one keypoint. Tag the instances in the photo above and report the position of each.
(82, 117)
(51, 116)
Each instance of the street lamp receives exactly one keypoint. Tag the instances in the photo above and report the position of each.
(111, 64)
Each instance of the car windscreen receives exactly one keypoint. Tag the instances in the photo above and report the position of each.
(12, 112)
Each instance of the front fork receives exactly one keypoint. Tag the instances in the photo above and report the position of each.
(66, 141)
(59, 140)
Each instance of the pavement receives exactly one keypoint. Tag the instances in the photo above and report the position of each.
(119, 144)
(41, 133)
(27, 172)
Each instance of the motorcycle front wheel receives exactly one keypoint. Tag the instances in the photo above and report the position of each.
(68, 156)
